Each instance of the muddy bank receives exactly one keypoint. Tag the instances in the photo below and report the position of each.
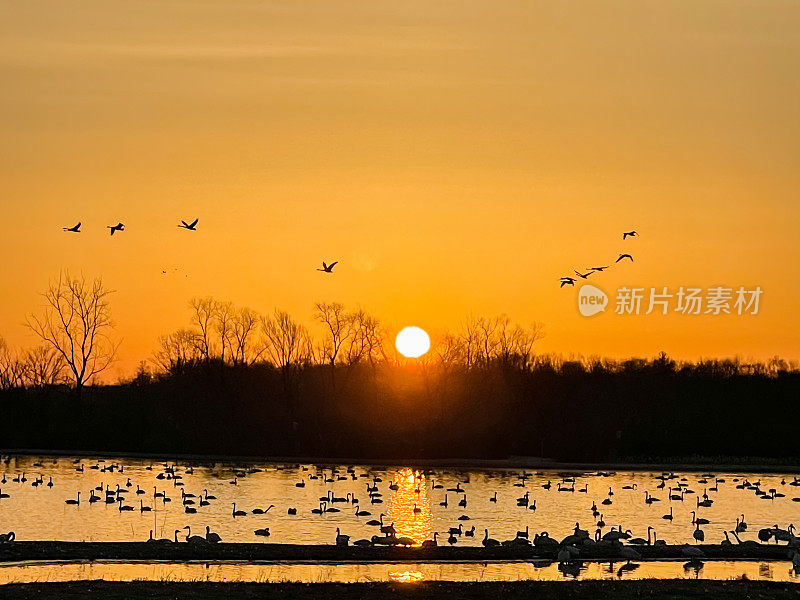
(55, 550)
(577, 590)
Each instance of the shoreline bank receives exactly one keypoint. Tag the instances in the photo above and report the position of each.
(509, 463)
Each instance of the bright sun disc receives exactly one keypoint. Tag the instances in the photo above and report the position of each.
(412, 342)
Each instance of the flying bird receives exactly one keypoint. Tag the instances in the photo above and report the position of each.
(567, 281)
(599, 269)
(621, 256)
(75, 229)
(190, 226)
(328, 268)
(117, 227)
(625, 234)
(583, 275)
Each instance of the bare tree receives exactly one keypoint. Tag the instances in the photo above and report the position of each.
(337, 329)
(287, 343)
(12, 368)
(450, 351)
(177, 350)
(246, 347)
(223, 316)
(76, 322)
(365, 342)
(43, 366)
(203, 312)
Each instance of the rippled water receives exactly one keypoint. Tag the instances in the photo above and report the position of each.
(40, 512)
(400, 572)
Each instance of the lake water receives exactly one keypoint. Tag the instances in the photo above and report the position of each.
(411, 499)
(399, 572)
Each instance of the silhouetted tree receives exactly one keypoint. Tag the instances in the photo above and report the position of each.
(177, 350)
(203, 313)
(12, 368)
(43, 366)
(247, 346)
(76, 322)
(337, 329)
(287, 343)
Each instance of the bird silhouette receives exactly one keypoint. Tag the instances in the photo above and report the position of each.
(626, 234)
(583, 275)
(599, 269)
(328, 268)
(621, 256)
(75, 229)
(567, 281)
(189, 226)
(117, 227)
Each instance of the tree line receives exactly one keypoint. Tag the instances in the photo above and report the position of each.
(235, 381)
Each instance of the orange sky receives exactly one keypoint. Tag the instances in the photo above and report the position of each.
(456, 157)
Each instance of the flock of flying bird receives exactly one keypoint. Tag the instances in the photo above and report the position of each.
(571, 280)
(328, 268)
(123, 490)
(183, 225)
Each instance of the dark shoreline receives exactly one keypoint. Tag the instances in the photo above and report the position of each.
(477, 464)
(527, 590)
(20, 551)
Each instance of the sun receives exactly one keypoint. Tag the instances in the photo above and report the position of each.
(412, 342)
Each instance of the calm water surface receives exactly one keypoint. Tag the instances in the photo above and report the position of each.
(405, 572)
(408, 498)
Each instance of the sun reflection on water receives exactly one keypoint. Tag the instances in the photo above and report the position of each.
(405, 576)
(411, 494)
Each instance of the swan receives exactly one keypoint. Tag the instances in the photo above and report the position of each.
(151, 539)
(406, 541)
(470, 532)
(493, 498)
(668, 517)
(6, 538)
(431, 543)
(211, 536)
(341, 539)
(698, 534)
(388, 529)
(378, 521)
(262, 532)
(456, 530)
(74, 501)
(745, 542)
(238, 513)
(143, 508)
(194, 539)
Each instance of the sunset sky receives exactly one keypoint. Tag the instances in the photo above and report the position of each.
(455, 157)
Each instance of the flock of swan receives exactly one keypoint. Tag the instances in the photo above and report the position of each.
(167, 485)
